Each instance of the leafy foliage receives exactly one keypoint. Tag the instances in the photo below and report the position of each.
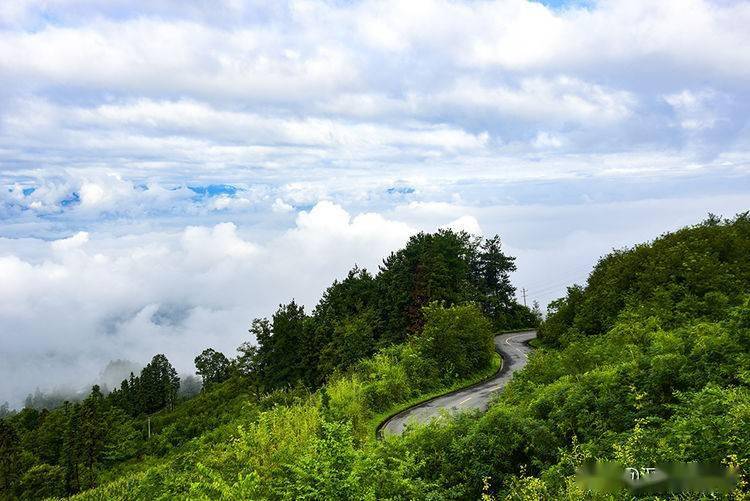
(259, 428)
(212, 366)
(695, 272)
(640, 366)
(362, 314)
(457, 340)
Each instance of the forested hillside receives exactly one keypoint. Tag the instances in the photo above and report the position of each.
(377, 339)
(649, 362)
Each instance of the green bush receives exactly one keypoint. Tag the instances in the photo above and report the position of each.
(650, 362)
(458, 340)
(695, 272)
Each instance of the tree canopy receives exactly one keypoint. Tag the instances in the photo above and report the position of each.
(423, 322)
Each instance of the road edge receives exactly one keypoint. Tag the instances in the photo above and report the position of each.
(501, 370)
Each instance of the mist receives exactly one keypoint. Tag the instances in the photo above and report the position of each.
(89, 308)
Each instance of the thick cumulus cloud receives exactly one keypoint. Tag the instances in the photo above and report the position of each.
(68, 306)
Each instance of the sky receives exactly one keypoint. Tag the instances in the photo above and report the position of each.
(170, 170)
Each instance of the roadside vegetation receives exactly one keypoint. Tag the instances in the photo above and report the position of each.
(423, 324)
(648, 362)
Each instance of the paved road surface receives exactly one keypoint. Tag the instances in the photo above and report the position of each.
(515, 355)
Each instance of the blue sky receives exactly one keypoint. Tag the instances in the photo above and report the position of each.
(216, 158)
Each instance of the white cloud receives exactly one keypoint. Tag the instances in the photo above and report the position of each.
(309, 88)
(696, 110)
(153, 55)
(411, 114)
(93, 297)
(223, 202)
(545, 140)
(280, 206)
(468, 224)
(74, 242)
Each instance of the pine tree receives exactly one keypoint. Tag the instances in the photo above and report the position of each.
(157, 385)
(493, 269)
(71, 448)
(91, 434)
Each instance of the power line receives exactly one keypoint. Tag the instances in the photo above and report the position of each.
(576, 273)
(552, 287)
(555, 285)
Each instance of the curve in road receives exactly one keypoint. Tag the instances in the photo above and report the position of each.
(514, 349)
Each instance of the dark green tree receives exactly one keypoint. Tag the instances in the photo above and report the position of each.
(5, 410)
(9, 452)
(282, 345)
(48, 443)
(134, 395)
(333, 341)
(352, 340)
(431, 267)
(157, 385)
(492, 269)
(212, 366)
(71, 448)
(247, 361)
(91, 435)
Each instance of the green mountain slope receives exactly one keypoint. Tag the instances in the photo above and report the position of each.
(648, 363)
(371, 338)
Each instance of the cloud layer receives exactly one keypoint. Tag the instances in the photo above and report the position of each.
(70, 305)
(251, 88)
(169, 171)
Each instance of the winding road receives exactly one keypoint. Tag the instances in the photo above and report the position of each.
(514, 349)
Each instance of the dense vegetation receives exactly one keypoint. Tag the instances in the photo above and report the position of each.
(424, 322)
(648, 363)
(694, 273)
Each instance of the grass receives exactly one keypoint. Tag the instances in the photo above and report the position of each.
(494, 366)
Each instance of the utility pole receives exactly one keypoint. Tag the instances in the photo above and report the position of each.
(149, 427)
(524, 296)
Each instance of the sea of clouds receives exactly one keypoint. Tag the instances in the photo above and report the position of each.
(171, 170)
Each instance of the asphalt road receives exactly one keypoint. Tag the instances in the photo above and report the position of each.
(515, 355)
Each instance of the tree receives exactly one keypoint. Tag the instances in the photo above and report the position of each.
(212, 366)
(343, 326)
(458, 339)
(282, 345)
(351, 341)
(9, 451)
(560, 316)
(159, 384)
(50, 437)
(536, 310)
(492, 269)
(71, 448)
(43, 481)
(247, 362)
(134, 395)
(431, 267)
(91, 434)
(5, 410)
